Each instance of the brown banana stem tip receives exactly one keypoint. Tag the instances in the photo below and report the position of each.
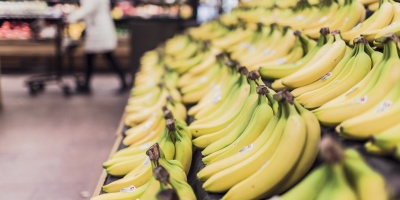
(371, 138)
(324, 31)
(330, 150)
(262, 89)
(253, 75)
(170, 99)
(161, 85)
(168, 194)
(297, 33)
(360, 39)
(243, 70)
(336, 32)
(164, 108)
(278, 96)
(161, 174)
(220, 55)
(168, 114)
(288, 96)
(154, 152)
(171, 125)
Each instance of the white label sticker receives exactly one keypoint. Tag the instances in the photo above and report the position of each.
(357, 27)
(326, 76)
(350, 91)
(280, 61)
(362, 100)
(148, 125)
(265, 52)
(128, 189)
(217, 98)
(147, 161)
(145, 145)
(203, 79)
(384, 106)
(322, 19)
(246, 148)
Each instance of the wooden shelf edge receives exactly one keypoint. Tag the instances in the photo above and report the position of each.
(114, 149)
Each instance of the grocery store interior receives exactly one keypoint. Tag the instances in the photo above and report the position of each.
(200, 99)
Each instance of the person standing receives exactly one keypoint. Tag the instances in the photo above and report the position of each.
(100, 38)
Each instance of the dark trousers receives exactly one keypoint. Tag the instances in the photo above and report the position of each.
(112, 62)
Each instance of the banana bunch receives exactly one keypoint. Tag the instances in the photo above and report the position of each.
(279, 70)
(386, 142)
(174, 138)
(203, 78)
(278, 47)
(351, 69)
(392, 27)
(256, 3)
(328, 13)
(337, 16)
(366, 94)
(381, 18)
(208, 31)
(162, 173)
(267, 155)
(325, 60)
(383, 115)
(220, 129)
(343, 175)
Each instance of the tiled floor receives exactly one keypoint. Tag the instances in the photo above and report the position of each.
(52, 147)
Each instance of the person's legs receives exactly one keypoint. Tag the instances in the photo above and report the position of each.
(117, 68)
(89, 68)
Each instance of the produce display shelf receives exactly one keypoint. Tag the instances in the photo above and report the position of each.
(387, 166)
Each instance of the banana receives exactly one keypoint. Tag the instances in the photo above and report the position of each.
(344, 81)
(202, 129)
(325, 79)
(223, 137)
(374, 149)
(276, 168)
(380, 19)
(176, 44)
(233, 38)
(125, 194)
(137, 177)
(220, 99)
(151, 129)
(370, 96)
(306, 189)
(280, 71)
(310, 151)
(387, 140)
(265, 144)
(368, 184)
(183, 145)
(356, 15)
(317, 69)
(262, 114)
(339, 186)
(244, 114)
(375, 120)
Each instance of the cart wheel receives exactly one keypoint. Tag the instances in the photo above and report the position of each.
(41, 87)
(66, 90)
(32, 90)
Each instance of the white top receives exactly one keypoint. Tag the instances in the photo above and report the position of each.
(100, 28)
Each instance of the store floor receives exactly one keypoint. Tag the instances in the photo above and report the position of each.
(52, 147)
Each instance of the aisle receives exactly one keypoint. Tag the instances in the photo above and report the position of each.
(52, 147)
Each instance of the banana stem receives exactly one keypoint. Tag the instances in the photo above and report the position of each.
(330, 150)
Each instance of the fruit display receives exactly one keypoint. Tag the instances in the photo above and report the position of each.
(328, 69)
(15, 30)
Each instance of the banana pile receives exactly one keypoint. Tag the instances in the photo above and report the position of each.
(266, 155)
(343, 175)
(368, 100)
(163, 174)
